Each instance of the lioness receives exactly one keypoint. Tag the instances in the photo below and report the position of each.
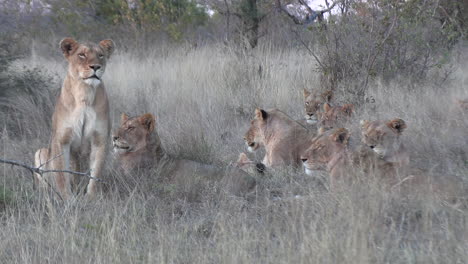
(330, 151)
(313, 102)
(137, 145)
(383, 138)
(283, 138)
(334, 116)
(80, 122)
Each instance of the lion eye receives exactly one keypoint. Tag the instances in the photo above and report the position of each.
(101, 56)
(130, 128)
(81, 55)
(307, 103)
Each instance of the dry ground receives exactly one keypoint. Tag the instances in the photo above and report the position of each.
(203, 99)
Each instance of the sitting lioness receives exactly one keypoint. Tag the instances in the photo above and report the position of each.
(313, 103)
(283, 138)
(80, 123)
(137, 145)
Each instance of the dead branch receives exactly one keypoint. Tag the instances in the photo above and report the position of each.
(40, 171)
(311, 13)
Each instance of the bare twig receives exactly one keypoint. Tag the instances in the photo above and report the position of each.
(308, 49)
(370, 62)
(310, 11)
(42, 171)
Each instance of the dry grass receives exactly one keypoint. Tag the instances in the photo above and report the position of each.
(203, 100)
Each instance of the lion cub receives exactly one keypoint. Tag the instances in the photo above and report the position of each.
(137, 145)
(80, 123)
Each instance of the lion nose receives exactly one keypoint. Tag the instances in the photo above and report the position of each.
(251, 144)
(115, 138)
(372, 147)
(303, 159)
(95, 67)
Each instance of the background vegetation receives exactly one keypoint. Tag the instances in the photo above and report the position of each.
(202, 68)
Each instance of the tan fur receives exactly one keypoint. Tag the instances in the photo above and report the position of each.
(80, 123)
(383, 137)
(137, 146)
(249, 166)
(462, 105)
(313, 102)
(330, 152)
(283, 138)
(335, 116)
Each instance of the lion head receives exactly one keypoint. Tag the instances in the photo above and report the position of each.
(462, 105)
(87, 61)
(254, 137)
(134, 133)
(313, 101)
(247, 165)
(383, 137)
(325, 151)
(335, 116)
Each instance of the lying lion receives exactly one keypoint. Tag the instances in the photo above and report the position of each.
(137, 145)
(330, 152)
(283, 138)
(80, 123)
(313, 103)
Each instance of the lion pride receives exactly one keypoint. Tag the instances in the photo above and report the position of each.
(137, 146)
(331, 152)
(80, 122)
(283, 138)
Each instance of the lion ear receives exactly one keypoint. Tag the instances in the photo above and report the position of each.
(68, 46)
(326, 107)
(108, 45)
(306, 92)
(260, 114)
(321, 130)
(123, 118)
(148, 121)
(243, 158)
(327, 96)
(364, 123)
(341, 135)
(397, 124)
(348, 109)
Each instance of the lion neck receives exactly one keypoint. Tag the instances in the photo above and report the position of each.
(399, 158)
(282, 129)
(338, 161)
(79, 91)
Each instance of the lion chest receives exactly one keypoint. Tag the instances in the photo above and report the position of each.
(84, 122)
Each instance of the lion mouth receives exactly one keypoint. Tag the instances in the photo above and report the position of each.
(94, 76)
(121, 148)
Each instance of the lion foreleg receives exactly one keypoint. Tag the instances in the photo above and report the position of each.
(40, 158)
(98, 155)
(62, 180)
